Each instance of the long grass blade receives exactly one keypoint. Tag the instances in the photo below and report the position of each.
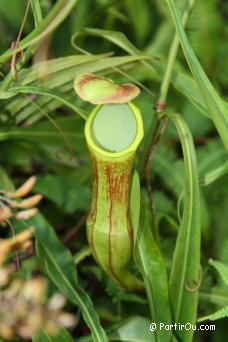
(185, 271)
(151, 264)
(218, 111)
(41, 91)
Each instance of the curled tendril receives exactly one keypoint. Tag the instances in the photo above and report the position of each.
(197, 283)
(15, 60)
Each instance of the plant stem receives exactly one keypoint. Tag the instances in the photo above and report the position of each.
(37, 12)
(71, 233)
(172, 55)
(148, 180)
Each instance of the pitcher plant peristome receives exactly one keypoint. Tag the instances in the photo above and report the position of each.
(113, 133)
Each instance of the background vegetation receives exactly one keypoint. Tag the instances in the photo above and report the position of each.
(41, 134)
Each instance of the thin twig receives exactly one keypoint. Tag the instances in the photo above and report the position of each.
(19, 258)
(14, 45)
(75, 229)
(156, 137)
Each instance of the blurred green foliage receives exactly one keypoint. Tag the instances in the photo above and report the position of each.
(30, 144)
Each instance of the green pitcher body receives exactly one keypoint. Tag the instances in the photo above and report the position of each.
(109, 228)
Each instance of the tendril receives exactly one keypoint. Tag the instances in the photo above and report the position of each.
(197, 283)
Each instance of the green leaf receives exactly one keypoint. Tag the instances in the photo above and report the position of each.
(213, 175)
(66, 133)
(169, 168)
(116, 37)
(5, 181)
(61, 336)
(216, 295)
(41, 91)
(187, 86)
(140, 19)
(204, 29)
(55, 74)
(54, 18)
(58, 75)
(37, 12)
(68, 193)
(82, 254)
(221, 268)
(60, 268)
(185, 271)
(222, 313)
(181, 81)
(58, 67)
(58, 254)
(11, 16)
(151, 264)
(134, 329)
(135, 202)
(214, 103)
(211, 155)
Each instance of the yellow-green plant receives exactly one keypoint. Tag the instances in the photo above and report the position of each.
(113, 133)
(157, 234)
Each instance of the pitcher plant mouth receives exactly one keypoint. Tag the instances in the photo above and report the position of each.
(114, 130)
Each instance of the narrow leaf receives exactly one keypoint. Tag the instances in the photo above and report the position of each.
(218, 111)
(135, 203)
(222, 313)
(69, 134)
(41, 91)
(181, 81)
(60, 268)
(216, 295)
(221, 268)
(151, 264)
(61, 336)
(134, 329)
(67, 192)
(185, 271)
(215, 174)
